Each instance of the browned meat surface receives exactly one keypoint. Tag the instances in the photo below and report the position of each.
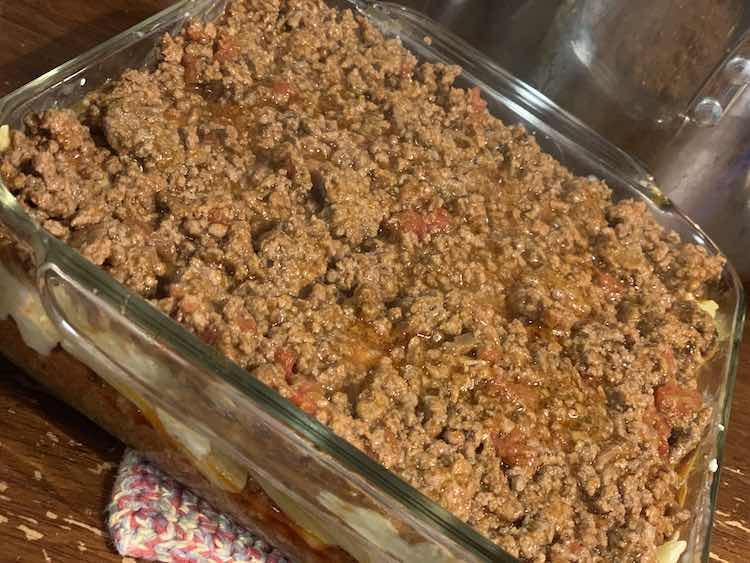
(369, 241)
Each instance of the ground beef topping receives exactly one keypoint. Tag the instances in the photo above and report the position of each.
(367, 239)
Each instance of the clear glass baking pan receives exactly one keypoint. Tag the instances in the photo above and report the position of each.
(240, 434)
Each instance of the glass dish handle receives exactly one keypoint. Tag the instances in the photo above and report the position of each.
(89, 331)
(724, 87)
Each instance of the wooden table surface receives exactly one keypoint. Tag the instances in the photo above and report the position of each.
(56, 468)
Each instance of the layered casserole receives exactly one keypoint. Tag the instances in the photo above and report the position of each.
(365, 238)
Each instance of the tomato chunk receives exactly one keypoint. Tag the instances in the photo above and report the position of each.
(226, 48)
(512, 449)
(677, 402)
(422, 224)
(196, 32)
(210, 335)
(489, 354)
(247, 324)
(610, 284)
(476, 103)
(524, 395)
(306, 396)
(282, 91)
(285, 359)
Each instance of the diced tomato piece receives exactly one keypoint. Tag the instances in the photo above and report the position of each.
(412, 222)
(422, 224)
(575, 553)
(527, 395)
(226, 48)
(406, 70)
(677, 402)
(610, 284)
(189, 304)
(489, 354)
(512, 449)
(282, 91)
(476, 103)
(247, 324)
(176, 291)
(196, 32)
(221, 215)
(518, 393)
(281, 87)
(286, 359)
(306, 396)
(210, 335)
(439, 220)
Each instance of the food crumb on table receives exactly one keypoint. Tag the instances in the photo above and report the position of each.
(82, 525)
(736, 524)
(30, 533)
(106, 466)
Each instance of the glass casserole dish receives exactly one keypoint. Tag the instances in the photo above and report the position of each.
(344, 505)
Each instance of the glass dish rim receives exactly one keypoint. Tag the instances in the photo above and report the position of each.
(184, 343)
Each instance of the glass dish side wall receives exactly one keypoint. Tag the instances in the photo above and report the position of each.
(232, 408)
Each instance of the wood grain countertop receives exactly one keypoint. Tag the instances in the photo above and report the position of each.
(57, 468)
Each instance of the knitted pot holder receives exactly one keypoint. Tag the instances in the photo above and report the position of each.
(153, 517)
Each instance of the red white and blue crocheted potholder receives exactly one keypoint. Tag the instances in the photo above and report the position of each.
(154, 517)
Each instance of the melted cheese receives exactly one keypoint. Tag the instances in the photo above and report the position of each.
(196, 444)
(709, 306)
(363, 533)
(4, 138)
(670, 551)
(20, 300)
(381, 532)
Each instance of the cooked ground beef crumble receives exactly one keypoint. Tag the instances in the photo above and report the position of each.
(365, 238)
